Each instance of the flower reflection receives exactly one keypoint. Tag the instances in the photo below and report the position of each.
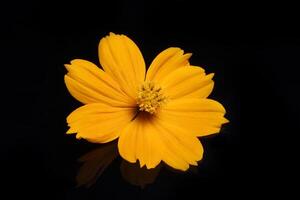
(94, 164)
(97, 160)
(134, 174)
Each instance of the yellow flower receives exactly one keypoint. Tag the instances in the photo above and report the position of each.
(156, 116)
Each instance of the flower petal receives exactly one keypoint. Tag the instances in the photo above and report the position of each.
(188, 82)
(166, 62)
(89, 84)
(139, 140)
(200, 117)
(178, 140)
(121, 58)
(99, 123)
(150, 140)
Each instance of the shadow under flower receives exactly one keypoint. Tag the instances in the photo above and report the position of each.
(94, 164)
(97, 160)
(135, 175)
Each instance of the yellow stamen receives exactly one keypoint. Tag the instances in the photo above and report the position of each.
(150, 97)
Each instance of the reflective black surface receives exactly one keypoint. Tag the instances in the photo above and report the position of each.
(252, 50)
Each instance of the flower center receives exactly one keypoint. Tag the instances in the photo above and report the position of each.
(150, 97)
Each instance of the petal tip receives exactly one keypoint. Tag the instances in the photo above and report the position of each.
(189, 55)
(111, 34)
(70, 131)
(211, 75)
(67, 66)
(78, 136)
(226, 121)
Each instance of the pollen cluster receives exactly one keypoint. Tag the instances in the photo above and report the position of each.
(150, 97)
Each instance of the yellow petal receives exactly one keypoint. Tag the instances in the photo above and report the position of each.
(121, 58)
(166, 62)
(187, 82)
(150, 140)
(178, 140)
(89, 84)
(127, 142)
(99, 123)
(200, 117)
(138, 140)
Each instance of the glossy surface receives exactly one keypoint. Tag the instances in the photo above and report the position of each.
(253, 63)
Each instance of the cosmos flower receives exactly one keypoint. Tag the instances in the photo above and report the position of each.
(156, 116)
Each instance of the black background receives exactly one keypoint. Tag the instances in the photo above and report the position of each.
(252, 48)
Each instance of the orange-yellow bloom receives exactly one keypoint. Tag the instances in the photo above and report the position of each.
(156, 116)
